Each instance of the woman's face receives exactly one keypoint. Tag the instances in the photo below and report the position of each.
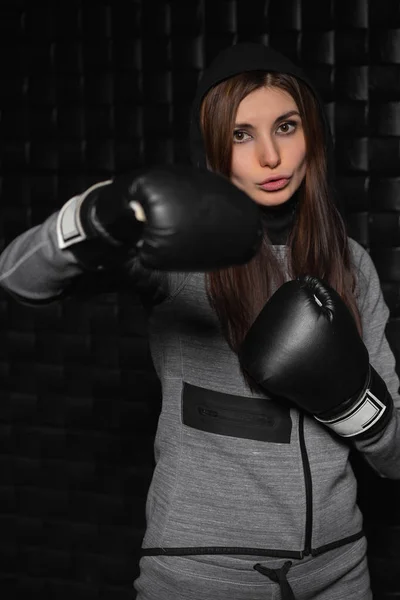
(269, 149)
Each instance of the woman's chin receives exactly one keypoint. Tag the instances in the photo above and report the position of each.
(271, 198)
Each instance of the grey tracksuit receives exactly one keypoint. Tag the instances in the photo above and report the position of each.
(239, 480)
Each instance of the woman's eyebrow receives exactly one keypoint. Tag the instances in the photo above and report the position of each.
(244, 126)
(286, 115)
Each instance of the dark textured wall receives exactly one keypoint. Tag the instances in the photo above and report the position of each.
(89, 89)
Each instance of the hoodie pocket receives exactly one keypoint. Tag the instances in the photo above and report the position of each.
(261, 419)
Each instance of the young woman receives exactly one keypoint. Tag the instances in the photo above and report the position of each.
(252, 497)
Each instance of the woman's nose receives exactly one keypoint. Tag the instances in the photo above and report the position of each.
(268, 153)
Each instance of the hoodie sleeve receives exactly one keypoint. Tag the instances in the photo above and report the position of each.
(382, 452)
(32, 267)
(34, 271)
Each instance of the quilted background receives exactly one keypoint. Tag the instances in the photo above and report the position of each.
(92, 88)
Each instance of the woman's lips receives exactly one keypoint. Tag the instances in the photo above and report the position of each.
(275, 184)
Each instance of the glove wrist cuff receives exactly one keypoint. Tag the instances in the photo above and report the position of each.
(368, 413)
(70, 229)
(91, 245)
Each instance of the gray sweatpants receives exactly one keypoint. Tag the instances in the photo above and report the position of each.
(341, 574)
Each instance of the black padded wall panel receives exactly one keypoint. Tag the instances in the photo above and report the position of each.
(90, 89)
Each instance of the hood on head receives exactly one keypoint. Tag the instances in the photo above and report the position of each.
(246, 56)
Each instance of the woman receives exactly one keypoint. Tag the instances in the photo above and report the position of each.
(250, 497)
(239, 489)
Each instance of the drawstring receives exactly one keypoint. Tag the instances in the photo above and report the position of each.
(278, 576)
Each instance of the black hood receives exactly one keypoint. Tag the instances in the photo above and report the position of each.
(249, 56)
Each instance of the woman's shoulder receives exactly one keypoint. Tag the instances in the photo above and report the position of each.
(356, 248)
(368, 285)
(360, 258)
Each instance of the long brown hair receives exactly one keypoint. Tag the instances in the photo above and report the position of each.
(317, 244)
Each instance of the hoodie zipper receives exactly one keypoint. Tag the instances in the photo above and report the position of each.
(308, 486)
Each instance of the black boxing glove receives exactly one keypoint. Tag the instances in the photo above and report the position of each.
(304, 346)
(173, 217)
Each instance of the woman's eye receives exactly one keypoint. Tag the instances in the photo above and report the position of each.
(287, 127)
(240, 136)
